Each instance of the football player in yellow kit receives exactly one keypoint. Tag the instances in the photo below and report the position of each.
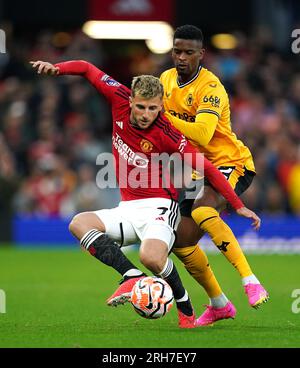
(197, 104)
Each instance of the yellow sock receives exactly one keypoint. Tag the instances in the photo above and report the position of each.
(209, 221)
(196, 263)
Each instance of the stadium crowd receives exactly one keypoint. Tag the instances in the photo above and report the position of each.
(52, 129)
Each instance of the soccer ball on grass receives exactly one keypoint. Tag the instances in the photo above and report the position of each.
(152, 297)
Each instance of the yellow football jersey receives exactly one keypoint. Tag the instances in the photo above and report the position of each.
(206, 94)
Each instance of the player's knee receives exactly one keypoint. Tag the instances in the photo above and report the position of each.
(151, 262)
(188, 239)
(188, 233)
(76, 224)
(201, 214)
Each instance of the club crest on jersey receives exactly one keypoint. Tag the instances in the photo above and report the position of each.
(189, 100)
(146, 146)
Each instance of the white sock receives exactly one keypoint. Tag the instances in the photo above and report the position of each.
(219, 301)
(168, 268)
(133, 272)
(250, 280)
(184, 298)
(89, 237)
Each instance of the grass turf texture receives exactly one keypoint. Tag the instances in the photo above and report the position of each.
(56, 298)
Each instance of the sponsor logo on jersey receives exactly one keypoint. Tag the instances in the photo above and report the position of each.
(189, 100)
(214, 100)
(146, 146)
(183, 116)
(138, 160)
(160, 218)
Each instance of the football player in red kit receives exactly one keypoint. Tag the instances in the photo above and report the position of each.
(147, 213)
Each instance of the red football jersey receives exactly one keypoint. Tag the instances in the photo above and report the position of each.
(139, 174)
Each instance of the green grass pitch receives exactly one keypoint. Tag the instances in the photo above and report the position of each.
(56, 298)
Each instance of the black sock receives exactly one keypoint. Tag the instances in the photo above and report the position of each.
(171, 275)
(106, 250)
(185, 307)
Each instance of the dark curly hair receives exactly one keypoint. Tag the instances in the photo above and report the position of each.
(188, 32)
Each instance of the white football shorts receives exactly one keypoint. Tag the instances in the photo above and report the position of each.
(134, 221)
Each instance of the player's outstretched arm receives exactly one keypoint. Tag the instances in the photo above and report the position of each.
(72, 67)
(95, 76)
(43, 67)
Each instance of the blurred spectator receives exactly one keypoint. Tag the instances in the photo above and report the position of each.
(86, 196)
(8, 188)
(45, 190)
(274, 203)
(293, 183)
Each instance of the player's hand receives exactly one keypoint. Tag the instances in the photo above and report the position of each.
(245, 212)
(43, 67)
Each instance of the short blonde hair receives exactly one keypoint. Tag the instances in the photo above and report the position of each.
(146, 86)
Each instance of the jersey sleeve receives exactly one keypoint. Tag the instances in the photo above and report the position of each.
(201, 131)
(210, 103)
(211, 99)
(112, 90)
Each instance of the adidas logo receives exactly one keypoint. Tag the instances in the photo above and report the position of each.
(120, 124)
(160, 218)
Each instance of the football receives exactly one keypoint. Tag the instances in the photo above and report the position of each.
(152, 297)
